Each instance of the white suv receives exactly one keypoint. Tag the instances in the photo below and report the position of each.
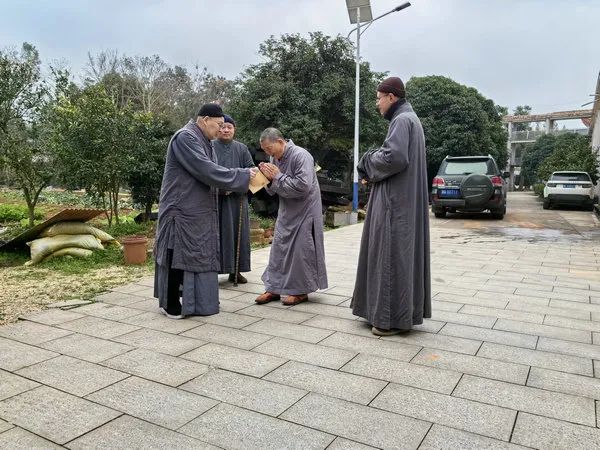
(569, 188)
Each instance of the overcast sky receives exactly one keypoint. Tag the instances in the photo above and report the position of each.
(544, 53)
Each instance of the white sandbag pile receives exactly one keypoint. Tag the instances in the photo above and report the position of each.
(75, 239)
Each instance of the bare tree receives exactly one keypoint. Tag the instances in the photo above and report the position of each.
(148, 76)
(99, 66)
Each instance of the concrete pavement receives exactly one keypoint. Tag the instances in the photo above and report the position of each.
(510, 358)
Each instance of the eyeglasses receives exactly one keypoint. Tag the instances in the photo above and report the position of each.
(219, 124)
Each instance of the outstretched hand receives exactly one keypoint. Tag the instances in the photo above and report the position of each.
(253, 172)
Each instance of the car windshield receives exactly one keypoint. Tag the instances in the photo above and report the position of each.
(464, 167)
(570, 177)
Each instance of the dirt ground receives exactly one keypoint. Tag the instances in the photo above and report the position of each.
(24, 289)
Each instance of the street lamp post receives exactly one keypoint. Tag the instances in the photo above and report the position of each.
(360, 11)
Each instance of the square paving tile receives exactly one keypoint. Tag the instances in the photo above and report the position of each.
(361, 344)
(234, 359)
(488, 335)
(72, 375)
(317, 355)
(117, 298)
(344, 325)
(131, 433)
(289, 330)
(18, 438)
(153, 402)
(231, 427)
(227, 336)
(52, 316)
(158, 321)
(53, 414)
(346, 444)
(158, 341)
(245, 391)
(281, 314)
(430, 378)
(329, 382)
(537, 358)
(231, 305)
(108, 311)
(11, 384)
(541, 432)
(474, 365)
(146, 304)
(564, 382)
(97, 327)
(326, 310)
(360, 423)
(440, 437)
(129, 288)
(225, 319)
(165, 369)
(467, 415)
(524, 398)
(453, 344)
(85, 347)
(569, 348)
(4, 426)
(16, 355)
(31, 332)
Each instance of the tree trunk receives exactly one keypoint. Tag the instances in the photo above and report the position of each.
(148, 211)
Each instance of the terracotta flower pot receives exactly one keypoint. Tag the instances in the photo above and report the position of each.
(135, 249)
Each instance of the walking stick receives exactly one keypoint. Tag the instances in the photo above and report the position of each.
(239, 240)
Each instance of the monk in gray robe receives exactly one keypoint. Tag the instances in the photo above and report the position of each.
(393, 287)
(187, 238)
(233, 154)
(297, 260)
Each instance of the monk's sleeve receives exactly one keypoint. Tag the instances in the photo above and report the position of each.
(392, 157)
(193, 159)
(296, 184)
(362, 173)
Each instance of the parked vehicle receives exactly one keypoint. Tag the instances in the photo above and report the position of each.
(469, 184)
(569, 188)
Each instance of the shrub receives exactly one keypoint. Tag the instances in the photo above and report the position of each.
(15, 213)
(538, 188)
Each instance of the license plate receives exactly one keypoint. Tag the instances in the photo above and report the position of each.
(450, 193)
(570, 186)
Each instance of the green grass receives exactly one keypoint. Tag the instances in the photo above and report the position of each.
(14, 258)
(130, 228)
(15, 213)
(110, 257)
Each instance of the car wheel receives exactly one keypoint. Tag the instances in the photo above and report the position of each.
(498, 214)
(439, 214)
(546, 204)
(590, 207)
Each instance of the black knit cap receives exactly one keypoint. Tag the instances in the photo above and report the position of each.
(210, 110)
(229, 119)
(392, 85)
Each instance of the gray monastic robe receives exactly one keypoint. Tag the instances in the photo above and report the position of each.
(188, 221)
(297, 259)
(393, 287)
(233, 155)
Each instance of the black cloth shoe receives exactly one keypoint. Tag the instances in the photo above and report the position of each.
(241, 279)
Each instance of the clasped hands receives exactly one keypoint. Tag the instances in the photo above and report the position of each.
(269, 170)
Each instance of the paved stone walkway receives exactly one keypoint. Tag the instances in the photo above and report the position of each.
(511, 358)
